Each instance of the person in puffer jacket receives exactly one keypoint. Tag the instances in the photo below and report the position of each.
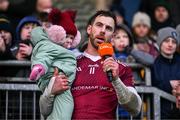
(166, 69)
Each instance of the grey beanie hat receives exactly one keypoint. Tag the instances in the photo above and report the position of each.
(166, 32)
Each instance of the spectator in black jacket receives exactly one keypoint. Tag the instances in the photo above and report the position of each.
(6, 39)
(166, 68)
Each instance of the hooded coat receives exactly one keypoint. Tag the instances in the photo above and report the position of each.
(51, 55)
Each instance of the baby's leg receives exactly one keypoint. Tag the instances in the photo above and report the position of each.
(63, 107)
(36, 72)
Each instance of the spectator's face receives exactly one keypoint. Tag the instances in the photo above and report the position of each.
(120, 40)
(4, 5)
(46, 25)
(168, 46)
(44, 5)
(26, 31)
(141, 30)
(100, 31)
(6, 36)
(161, 14)
(68, 41)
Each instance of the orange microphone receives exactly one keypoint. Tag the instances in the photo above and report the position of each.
(105, 50)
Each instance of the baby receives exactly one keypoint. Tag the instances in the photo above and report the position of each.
(50, 52)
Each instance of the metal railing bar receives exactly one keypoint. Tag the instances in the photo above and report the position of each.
(23, 87)
(20, 105)
(34, 105)
(157, 112)
(15, 79)
(15, 63)
(154, 90)
(7, 101)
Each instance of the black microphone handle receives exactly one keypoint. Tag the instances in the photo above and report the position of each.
(109, 76)
(109, 72)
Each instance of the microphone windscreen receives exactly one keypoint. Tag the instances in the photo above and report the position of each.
(105, 49)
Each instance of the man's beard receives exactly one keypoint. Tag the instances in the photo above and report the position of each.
(92, 40)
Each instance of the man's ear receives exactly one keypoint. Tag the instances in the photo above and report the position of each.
(88, 30)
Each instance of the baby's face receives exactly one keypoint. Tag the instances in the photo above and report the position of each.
(68, 41)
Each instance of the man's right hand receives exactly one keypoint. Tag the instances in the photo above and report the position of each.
(60, 85)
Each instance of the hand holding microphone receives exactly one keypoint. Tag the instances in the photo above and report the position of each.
(111, 67)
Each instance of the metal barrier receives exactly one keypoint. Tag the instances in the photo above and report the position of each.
(19, 97)
(20, 88)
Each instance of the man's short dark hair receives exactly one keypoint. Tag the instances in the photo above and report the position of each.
(102, 13)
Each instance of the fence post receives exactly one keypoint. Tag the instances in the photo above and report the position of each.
(157, 111)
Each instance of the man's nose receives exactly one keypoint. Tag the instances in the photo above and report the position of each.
(103, 29)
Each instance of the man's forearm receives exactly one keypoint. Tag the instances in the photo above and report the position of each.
(47, 99)
(127, 97)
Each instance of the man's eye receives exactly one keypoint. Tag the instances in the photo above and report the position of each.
(109, 28)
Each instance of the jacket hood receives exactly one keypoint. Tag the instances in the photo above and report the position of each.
(126, 29)
(38, 34)
(27, 19)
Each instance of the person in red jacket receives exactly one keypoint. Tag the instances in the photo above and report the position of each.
(94, 96)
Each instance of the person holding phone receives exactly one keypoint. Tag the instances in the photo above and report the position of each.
(23, 48)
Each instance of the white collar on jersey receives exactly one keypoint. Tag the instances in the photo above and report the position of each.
(92, 57)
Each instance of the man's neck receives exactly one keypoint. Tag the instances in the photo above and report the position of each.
(91, 50)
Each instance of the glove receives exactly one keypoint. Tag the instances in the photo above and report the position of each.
(36, 72)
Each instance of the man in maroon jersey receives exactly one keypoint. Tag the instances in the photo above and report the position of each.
(94, 96)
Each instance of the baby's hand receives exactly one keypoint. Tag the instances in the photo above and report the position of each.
(36, 72)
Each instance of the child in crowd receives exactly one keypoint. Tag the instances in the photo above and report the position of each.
(144, 41)
(51, 52)
(23, 48)
(123, 43)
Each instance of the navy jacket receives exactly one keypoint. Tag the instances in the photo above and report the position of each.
(163, 71)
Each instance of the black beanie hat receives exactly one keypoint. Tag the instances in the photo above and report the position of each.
(5, 24)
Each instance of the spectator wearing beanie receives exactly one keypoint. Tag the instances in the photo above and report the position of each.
(166, 68)
(141, 27)
(6, 42)
(161, 15)
(23, 48)
(6, 36)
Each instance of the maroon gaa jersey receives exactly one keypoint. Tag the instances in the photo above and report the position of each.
(94, 97)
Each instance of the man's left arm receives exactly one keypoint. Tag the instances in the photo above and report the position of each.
(127, 96)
